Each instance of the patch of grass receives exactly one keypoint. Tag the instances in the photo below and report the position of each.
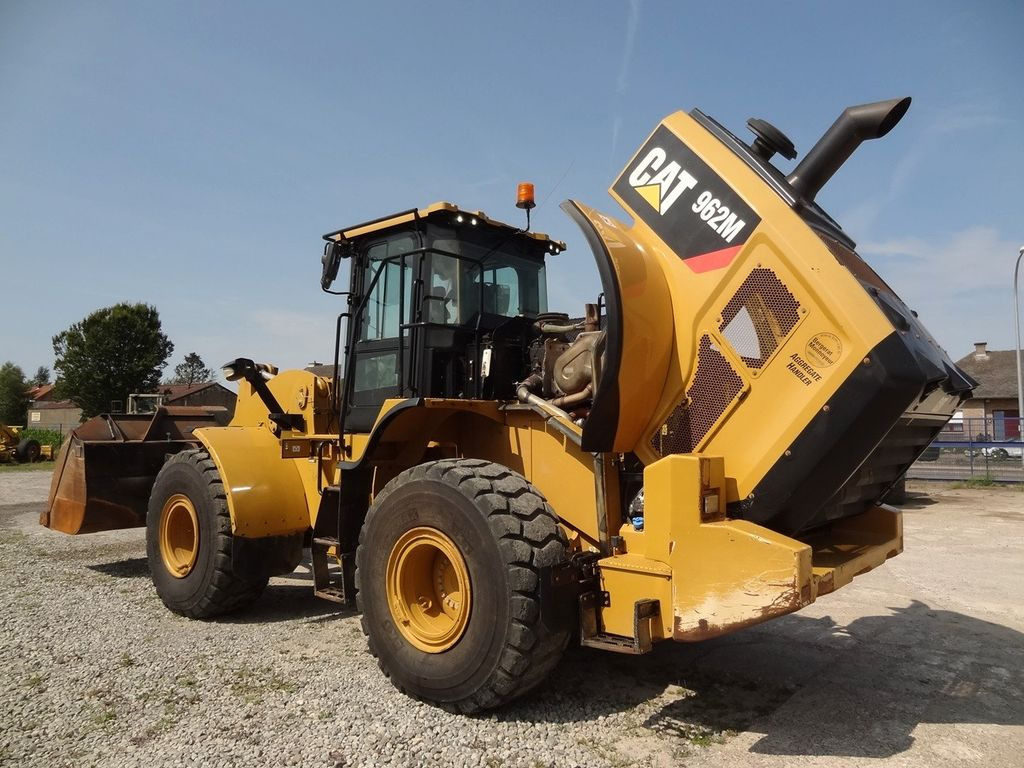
(278, 683)
(126, 660)
(35, 680)
(164, 724)
(978, 481)
(608, 753)
(39, 466)
(251, 684)
(186, 680)
(103, 716)
(701, 736)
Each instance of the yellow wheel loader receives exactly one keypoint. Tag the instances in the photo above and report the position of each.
(15, 448)
(702, 450)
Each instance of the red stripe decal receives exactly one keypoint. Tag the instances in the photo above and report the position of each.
(714, 260)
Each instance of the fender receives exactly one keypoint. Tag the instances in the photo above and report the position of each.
(265, 495)
(639, 324)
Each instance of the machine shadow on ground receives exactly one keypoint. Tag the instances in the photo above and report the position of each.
(291, 598)
(129, 568)
(288, 598)
(810, 686)
(917, 500)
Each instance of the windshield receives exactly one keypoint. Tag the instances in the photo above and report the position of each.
(512, 285)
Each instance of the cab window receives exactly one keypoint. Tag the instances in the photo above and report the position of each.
(392, 292)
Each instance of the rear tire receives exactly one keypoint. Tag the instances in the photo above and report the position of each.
(28, 450)
(488, 532)
(188, 540)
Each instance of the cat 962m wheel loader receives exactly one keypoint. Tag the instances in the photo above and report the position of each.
(701, 451)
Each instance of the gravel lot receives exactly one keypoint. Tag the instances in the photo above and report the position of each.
(918, 663)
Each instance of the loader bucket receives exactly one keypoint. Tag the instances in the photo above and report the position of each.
(106, 468)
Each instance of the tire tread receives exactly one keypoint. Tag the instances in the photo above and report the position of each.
(529, 537)
(227, 592)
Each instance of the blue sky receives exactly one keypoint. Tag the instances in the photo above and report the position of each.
(190, 155)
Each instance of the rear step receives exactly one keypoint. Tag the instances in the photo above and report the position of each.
(591, 636)
(337, 583)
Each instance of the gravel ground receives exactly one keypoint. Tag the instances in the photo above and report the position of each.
(917, 663)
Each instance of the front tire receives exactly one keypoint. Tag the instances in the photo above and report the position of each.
(447, 578)
(188, 540)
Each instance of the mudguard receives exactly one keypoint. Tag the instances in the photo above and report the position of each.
(265, 495)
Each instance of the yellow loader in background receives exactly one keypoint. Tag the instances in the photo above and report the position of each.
(16, 448)
(703, 450)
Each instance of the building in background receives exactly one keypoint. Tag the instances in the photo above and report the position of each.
(992, 409)
(210, 394)
(46, 413)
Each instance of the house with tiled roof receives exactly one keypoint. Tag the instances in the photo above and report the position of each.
(994, 401)
(46, 412)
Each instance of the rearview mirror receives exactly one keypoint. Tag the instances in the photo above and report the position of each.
(331, 260)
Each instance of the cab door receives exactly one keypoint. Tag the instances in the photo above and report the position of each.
(381, 347)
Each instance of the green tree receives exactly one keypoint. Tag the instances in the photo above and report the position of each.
(111, 353)
(13, 395)
(192, 371)
(42, 377)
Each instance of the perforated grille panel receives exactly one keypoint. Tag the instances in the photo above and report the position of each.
(759, 317)
(714, 386)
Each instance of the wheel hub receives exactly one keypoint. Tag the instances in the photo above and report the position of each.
(179, 535)
(428, 589)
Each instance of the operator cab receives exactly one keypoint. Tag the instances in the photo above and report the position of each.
(441, 304)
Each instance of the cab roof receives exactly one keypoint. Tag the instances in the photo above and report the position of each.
(438, 212)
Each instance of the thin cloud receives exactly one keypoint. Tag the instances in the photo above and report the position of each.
(964, 118)
(961, 286)
(627, 49)
(616, 127)
(488, 182)
(622, 81)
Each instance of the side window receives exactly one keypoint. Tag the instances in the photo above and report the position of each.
(374, 372)
(392, 292)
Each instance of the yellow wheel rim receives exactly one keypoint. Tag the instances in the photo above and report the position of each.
(428, 589)
(179, 535)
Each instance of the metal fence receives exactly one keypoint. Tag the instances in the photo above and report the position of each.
(988, 448)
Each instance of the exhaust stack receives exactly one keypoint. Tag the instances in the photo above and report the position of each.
(856, 124)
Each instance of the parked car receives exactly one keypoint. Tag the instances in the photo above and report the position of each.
(1005, 451)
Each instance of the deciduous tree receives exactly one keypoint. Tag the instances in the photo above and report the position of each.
(13, 394)
(42, 377)
(113, 352)
(192, 371)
